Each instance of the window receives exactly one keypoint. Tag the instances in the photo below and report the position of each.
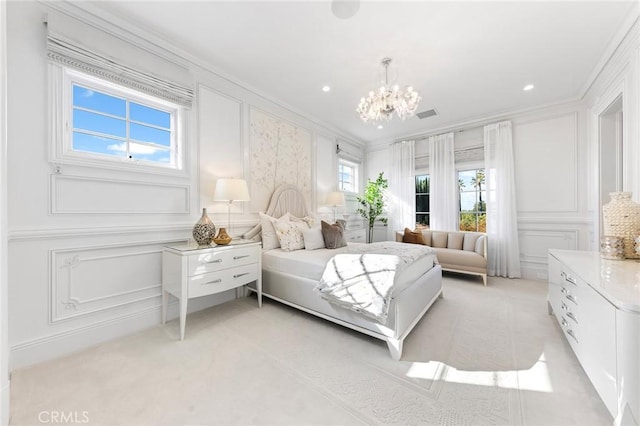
(422, 200)
(347, 176)
(473, 206)
(108, 122)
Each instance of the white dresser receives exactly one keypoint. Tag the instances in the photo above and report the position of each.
(190, 271)
(597, 303)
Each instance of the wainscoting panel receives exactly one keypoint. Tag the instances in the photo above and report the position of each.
(75, 194)
(88, 280)
(534, 245)
(536, 240)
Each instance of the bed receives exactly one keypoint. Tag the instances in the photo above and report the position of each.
(290, 277)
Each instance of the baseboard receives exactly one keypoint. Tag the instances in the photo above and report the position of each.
(4, 403)
(61, 344)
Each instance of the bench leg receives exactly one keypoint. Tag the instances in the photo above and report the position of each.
(395, 348)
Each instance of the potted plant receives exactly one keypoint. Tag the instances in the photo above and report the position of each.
(372, 203)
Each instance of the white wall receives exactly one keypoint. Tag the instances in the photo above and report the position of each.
(4, 329)
(83, 272)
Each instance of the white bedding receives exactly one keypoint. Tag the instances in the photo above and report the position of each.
(310, 264)
(363, 279)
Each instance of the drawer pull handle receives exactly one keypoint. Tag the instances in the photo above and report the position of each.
(563, 290)
(213, 282)
(570, 333)
(570, 279)
(563, 274)
(564, 307)
(240, 257)
(564, 322)
(240, 275)
(573, 317)
(573, 299)
(215, 261)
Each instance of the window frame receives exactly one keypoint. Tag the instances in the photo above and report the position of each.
(64, 80)
(468, 167)
(356, 174)
(428, 213)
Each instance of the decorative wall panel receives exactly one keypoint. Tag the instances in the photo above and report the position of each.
(280, 153)
(75, 194)
(535, 244)
(546, 164)
(88, 280)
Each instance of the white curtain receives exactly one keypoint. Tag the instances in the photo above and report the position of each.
(402, 188)
(502, 224)
(443, 193)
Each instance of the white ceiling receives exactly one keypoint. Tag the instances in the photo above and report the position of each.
(467, 59)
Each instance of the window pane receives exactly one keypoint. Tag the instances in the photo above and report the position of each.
(149, 153)
(467, 201)
(98, 145)
(99, 123)
(149, 115)
(97, 101)
(422, 184)
(422, 219)
(150, 134)
(422, 203)
(468, 222)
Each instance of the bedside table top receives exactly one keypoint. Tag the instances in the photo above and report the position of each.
(191, 248)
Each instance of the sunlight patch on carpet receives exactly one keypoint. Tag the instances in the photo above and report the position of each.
(534, 379)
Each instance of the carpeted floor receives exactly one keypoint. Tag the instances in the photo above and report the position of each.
(480, 356)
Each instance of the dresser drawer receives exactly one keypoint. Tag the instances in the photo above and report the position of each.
(218, 281)
(222, 259)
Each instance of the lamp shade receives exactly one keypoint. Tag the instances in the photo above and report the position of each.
(335, 198)
(231, 190)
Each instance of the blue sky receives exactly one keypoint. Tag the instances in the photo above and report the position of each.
(105, 117)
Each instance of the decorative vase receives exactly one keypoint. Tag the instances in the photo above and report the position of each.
(222, 238)
(621, 218)
(612, 248)
(204, 230)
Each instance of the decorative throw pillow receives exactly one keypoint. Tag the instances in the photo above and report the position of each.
(313, 238)
(333, 235)
(269, 238)
(290, 233)
(412, 237)
(309, 220)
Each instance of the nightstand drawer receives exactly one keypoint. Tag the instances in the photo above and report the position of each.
(222, 259)
(216, 282)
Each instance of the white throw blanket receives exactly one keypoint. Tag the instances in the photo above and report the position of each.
(363, 277)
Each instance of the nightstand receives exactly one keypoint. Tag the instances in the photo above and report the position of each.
(190, 271)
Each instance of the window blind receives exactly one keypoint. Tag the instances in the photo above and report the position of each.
(69, 52)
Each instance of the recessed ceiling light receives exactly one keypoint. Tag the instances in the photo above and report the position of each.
(326, 88)
(380, 126)
(528, 87)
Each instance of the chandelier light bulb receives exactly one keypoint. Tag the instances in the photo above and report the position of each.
(381, 105)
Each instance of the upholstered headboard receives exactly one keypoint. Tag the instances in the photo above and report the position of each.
(286, 198)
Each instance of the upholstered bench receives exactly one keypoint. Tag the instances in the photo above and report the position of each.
(464, 252)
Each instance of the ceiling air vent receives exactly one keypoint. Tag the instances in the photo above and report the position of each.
(426, 114)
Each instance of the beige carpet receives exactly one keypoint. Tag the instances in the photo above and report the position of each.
(481, 356)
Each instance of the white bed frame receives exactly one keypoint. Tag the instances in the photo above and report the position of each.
(406, 308)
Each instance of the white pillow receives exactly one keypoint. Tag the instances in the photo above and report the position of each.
(309, 220)
(269, 238)
(313, 238)
(290, 233)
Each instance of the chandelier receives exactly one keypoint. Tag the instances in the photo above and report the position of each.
(381, 105)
